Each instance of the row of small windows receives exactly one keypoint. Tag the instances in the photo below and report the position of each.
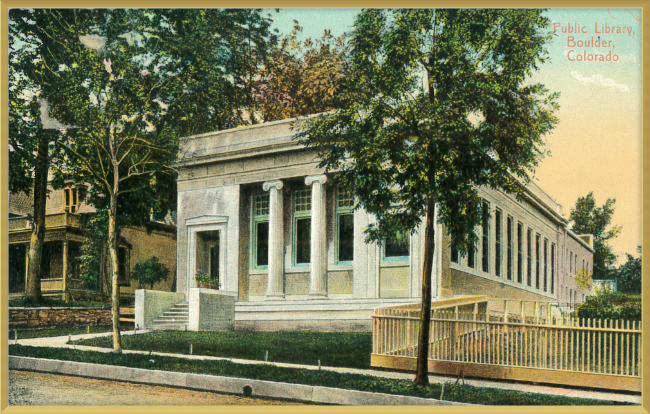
(573, 263)
(544, 275)
(394, 249)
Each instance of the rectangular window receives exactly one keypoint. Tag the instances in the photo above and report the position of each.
(571, 263)
(303, 240)
(509, 254)
(545, 265)
(397, 248)
(583, 265)
(529, 252)
(302, 227)
(70, 205)
(537, 249)
(260, 231)
(471, 257)
(520, 253)
(485, 217)
(344, 226)
(454, 253)
(553, 268)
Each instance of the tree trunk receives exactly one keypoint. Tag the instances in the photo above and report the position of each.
(41, 167)
(112, 250)
(422, 369)
(115, 293)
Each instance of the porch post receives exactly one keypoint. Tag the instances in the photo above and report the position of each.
(275, 275)
(318, 252)
(65, 268)
(27, 246)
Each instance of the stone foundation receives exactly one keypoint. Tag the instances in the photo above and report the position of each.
(21, 318)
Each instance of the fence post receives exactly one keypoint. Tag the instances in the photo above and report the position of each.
(455, 333)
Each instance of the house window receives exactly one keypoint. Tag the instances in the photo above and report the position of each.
(485, 216)
(509, 254)
(454, 253)
(545, 264)
(553, 268)
(344, 226)
(302, 227)
(260, 231)
(471, 256)
(71, 200)
(497, 244)
(571, 263)
(537, 249)
(520, 253)
(529, 252)
(123, 265)
(397, 247)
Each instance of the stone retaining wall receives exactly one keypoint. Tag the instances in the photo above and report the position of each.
(20, 318)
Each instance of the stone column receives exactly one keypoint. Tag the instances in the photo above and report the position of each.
(275, 275)
(318, 252)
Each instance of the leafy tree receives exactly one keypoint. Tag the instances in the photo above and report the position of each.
(589, 219)
(91, 251)
(583, 279)
(301, 78)
(30, 143)
(131, 82)
(438, 105)
(629, 275)
(150, 272)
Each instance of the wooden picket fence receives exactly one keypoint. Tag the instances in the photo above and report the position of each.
(470, 338)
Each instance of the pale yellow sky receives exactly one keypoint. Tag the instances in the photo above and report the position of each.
(597, 144)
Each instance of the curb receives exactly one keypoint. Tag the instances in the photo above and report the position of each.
(228, 385)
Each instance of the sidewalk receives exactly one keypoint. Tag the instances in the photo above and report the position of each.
(60, 342)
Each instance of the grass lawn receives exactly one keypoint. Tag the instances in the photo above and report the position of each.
(57, 331)
(459, 393)
(334, 349)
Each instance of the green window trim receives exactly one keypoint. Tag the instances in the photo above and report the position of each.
(301, 203)
(260, 205)
(344, 207)
(397, 258)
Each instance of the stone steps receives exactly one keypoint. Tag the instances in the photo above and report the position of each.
(174, 319)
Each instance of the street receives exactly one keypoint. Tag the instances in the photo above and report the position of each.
(36, 388)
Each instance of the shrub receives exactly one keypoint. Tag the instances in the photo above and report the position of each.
(150, 272)
(611, 305)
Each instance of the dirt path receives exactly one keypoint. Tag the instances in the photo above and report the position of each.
(35, 388)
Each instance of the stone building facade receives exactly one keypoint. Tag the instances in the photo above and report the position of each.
(257, 214)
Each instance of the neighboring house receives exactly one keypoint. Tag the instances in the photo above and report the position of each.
(609, 284)
(256, 212)
(63, 238)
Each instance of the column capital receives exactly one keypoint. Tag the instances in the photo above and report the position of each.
(321, 178)
(272, 184)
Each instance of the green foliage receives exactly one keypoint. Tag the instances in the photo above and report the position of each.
(589, 219)
(437, 105)
(91, 256)
(583, 279)
(204, 278)
(46, 302)
(629, 275)
(616, 305)
(337, 349)
(459, 393)
(150, 271)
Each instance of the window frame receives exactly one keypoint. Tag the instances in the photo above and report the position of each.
(393, 259)
(255, 220)
(340, 211)
(509, 247)
(485, 236)
(520, 252)
(498, 256)
(295, 216)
